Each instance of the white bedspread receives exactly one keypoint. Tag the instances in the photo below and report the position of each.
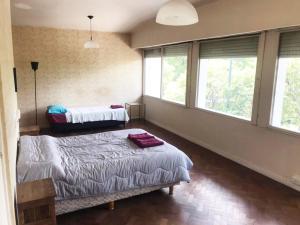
(99, 164)
(92, 114)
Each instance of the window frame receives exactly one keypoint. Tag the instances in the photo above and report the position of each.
(275, 79)
(257, 80)
(144, 72)
(188, 74)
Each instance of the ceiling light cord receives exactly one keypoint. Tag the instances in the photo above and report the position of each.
(91, 43)
(91, 17)
(91, 29)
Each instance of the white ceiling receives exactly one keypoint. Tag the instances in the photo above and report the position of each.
(110, 15)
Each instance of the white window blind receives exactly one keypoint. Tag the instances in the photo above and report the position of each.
(176, 50)
(289, 44)
(230, 48)
(152, 53)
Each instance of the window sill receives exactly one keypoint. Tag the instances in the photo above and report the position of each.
(216, 113)
(166, 101)
(284, 131)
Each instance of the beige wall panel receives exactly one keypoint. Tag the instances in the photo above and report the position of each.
(71, 75)
(220, 18)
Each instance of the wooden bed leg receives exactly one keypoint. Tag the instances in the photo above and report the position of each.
(171, 190)
(111, 205)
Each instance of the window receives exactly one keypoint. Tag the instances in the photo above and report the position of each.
(227, 71)
(286, 104)
(152, 70)
(174, 73)
(166, 72)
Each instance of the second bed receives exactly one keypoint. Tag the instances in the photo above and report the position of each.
(89, 170)
(79, 118)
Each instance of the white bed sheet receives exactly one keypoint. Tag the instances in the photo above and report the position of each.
(98, 113)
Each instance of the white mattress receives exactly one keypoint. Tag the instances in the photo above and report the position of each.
(92, 114)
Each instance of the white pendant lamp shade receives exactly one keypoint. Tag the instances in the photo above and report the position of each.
(177, 13)
(91, 43)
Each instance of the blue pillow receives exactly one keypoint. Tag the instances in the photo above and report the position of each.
(56, 109)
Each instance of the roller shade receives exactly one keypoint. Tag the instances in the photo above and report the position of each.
(152, 53)
(289, 44)
(176, 50)
(230, 47)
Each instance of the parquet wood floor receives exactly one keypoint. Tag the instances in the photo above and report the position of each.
(221, 193)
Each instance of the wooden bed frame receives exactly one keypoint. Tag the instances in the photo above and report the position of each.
(111, 205)
(71, 205)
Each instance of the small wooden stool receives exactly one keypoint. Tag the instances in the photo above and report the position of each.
(35, 203)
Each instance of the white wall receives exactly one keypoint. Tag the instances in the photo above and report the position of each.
(267, 151)
(8, 117)
(222, 18)
(260, 147)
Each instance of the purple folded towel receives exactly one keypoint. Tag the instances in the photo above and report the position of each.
(144, 140)
(147, 143)
(116, 106)
(139, 136)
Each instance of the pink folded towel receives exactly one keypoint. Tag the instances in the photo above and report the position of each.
(116, 106)
(139, 136)
(147, 143)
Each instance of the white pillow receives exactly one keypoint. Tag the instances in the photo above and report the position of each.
(39, 158)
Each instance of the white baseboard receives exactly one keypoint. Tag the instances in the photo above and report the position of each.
(227, 155)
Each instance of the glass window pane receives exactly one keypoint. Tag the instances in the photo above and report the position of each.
(286, 109)
(152, 76)
(226, 85)
(174, 78)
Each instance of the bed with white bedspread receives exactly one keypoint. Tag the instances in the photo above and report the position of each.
(100, 165)
(80, 118)
(96, 113)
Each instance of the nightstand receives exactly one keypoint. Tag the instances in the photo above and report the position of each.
(35, 203)
(141, 109)
(30, 130)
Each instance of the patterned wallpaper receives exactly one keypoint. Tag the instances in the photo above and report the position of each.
(70, 75)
